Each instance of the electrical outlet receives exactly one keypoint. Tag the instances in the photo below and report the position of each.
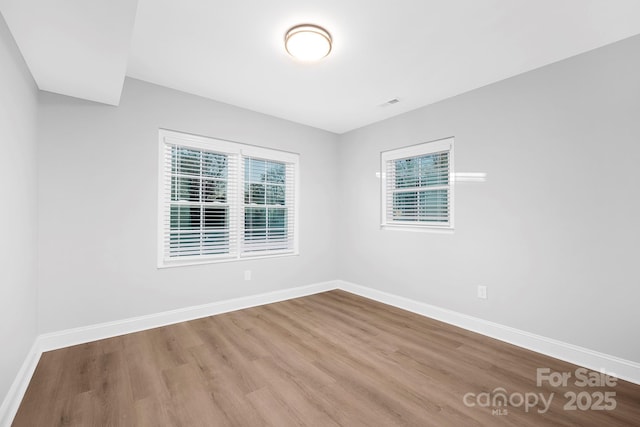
(247, 275)
(482, 292)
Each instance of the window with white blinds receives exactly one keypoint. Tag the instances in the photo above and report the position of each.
(417, 187)
(223, 201)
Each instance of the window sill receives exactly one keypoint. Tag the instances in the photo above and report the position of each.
(418, 228)
(219, 260)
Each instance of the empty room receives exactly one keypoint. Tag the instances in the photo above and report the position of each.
(319, 213)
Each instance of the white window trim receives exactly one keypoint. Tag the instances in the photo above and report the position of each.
(235, 149)
(446, 144)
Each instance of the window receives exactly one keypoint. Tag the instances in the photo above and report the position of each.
(223, 201)
(417, 187)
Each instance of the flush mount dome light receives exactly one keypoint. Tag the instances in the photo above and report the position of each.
(308, 42)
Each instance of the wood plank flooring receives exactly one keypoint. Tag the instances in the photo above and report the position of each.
(331, 359)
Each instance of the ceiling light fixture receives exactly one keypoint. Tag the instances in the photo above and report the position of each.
(308, 42)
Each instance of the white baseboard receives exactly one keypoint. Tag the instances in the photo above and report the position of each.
(14, 396)
(612, 365)
(69, 337)
(624, 369)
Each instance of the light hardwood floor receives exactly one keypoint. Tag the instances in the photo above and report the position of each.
(331, 359)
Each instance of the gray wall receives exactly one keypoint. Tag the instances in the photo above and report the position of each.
(98, 201)
(553, 233)
(18, 217)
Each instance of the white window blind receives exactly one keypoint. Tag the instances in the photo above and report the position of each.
(417, 188)
(198, 217)
(269, 222)
(222, 201)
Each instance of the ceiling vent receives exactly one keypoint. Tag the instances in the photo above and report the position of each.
(390, 102)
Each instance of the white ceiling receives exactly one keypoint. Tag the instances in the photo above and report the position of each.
(74, 47)
(419, 51)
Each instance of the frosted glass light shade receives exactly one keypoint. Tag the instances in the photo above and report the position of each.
(308, 42)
